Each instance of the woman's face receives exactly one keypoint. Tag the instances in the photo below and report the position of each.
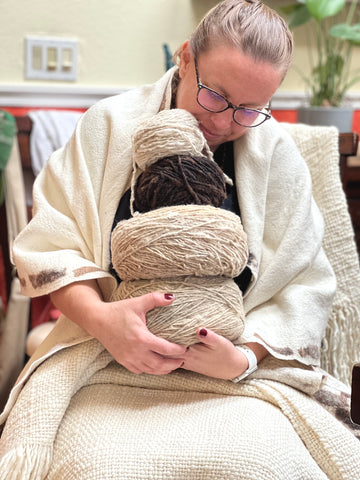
(234, 75)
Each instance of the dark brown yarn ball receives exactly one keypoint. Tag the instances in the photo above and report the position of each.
(180, 180)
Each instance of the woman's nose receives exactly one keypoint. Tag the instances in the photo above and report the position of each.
(222, 120)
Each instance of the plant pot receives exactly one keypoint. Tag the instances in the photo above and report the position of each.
(340, 117)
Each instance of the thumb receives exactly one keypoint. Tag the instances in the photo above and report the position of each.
(160, 345)
(206, 336)
(155, 299)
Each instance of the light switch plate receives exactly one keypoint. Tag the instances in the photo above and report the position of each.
(50, 58)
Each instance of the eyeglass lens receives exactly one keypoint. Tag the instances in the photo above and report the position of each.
(214, 102)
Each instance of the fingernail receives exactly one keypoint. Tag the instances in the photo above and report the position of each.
(203, 332)
(168, 296)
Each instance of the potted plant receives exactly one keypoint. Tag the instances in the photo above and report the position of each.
(333, 33)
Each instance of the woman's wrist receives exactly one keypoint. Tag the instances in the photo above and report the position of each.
(258, 350)
(252, 354)
(251, 362)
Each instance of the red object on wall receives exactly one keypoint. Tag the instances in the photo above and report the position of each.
(20, 111)
(289, 116)
(356, 122)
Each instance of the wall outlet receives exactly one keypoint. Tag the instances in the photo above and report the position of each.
(48, 58)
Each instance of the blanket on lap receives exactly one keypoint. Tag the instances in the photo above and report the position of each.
(172, 406)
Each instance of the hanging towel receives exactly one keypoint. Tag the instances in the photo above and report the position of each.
(51, 130)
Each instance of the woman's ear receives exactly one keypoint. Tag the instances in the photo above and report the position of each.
(185, 58)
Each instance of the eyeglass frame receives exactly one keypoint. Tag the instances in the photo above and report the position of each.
(201, 86)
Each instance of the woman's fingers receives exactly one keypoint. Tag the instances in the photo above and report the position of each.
(154, 364)
(156, 344)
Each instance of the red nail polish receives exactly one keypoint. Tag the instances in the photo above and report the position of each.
(203, 332)
(168, 296)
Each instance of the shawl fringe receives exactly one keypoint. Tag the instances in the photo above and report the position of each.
(26, 462)
(339, 345)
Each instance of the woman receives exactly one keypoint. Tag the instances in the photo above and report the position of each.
(114, 424)
(246, 80)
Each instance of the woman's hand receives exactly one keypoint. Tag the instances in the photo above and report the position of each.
(217, 357)
(127, 338)
(121, 327)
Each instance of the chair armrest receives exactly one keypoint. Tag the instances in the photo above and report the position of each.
(348, 146)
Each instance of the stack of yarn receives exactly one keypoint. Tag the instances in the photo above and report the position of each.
(179, 240)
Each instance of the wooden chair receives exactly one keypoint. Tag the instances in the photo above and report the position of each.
(350, 175)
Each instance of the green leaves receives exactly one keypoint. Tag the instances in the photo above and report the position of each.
(298, 15)
(329, 45)
(304, 10)
(320, 9)
(325, 90)
(347, 32)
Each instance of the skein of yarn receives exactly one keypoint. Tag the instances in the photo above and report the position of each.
(213, 301)
(179, 180)
(169, 132)
(198, 240)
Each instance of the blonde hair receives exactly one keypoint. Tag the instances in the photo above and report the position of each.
(249, 26)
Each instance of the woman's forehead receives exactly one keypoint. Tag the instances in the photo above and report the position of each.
(237, 76)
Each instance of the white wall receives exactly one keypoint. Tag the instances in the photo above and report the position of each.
(120, 41)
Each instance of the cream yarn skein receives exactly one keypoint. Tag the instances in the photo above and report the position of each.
(198, 240)
(170, 132)
(212, 301)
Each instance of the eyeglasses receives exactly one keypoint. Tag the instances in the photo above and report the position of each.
(216, 103)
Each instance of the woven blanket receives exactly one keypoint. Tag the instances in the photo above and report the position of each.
(77, 396)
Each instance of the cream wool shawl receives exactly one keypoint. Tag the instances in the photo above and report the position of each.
(76, 195)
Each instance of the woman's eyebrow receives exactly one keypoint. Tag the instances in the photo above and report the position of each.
(221, 91)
